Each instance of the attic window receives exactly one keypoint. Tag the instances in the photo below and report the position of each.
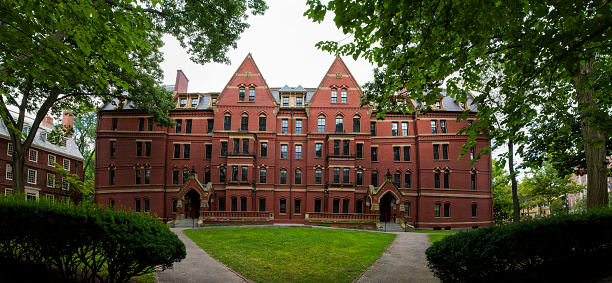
(299, 101)
(285, 101)
(183, 102)
(194, 102)
(463, 105)
(438, 104)
(43, 136)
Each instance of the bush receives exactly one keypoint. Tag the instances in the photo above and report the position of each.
(539, 250)
(84, 243)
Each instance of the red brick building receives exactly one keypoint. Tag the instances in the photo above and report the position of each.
(293, 155)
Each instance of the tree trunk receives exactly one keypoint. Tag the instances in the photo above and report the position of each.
(516, 216)
(19, 175)
(597, 169)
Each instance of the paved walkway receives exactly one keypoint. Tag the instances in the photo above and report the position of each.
(197, 267)
(403, 261)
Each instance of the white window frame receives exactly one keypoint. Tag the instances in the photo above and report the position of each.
(404, 128)
(66, 161)
(9, 172)
(50, 197)
(10, 149)
(35, 152)
(64, 184)
(8, 192)
(35, 176)
(50, 180)
(51, 157)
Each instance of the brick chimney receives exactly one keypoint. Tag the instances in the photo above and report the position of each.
(181, 83)
(47, 122)
(67, 120)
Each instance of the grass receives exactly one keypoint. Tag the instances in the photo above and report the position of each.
(292, 254)
(220, 225)
(449, 232)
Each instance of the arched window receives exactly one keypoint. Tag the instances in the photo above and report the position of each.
(356, 124)
(283, 176)
(334, 95)
(244, 122)
(407, 180)
(262, 122)
(241, 94)
(397, 176)
(251, 94)
(227, 122)
(339, 124)
(298, 176)
(374, 178)
(321, 124)
(407, 209)
(343, 96)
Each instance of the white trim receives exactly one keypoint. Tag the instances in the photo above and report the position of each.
(10, 149)
(49, 160)
(9, 170)
(67, 168)
(35, 155)
(35, 176)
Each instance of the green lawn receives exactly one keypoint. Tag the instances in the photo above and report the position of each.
(291, 254)
(435, 235)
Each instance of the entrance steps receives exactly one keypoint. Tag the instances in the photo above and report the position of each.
(390, 227)
(187, 223)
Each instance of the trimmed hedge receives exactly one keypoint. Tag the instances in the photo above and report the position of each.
(538, 250)
(84, 243)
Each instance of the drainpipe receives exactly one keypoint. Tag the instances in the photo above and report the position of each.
(418, 162)
(290, 163)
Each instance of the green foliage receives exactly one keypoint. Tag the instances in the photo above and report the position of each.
(526, 251)
(546, 185)
(502, 193)
(290, 254)
(84, 243)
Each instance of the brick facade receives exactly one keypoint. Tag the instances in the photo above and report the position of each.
(299, 179)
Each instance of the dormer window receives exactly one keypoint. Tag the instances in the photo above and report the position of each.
(194, 102)
(438, 104)
(43, 136)
(26, 130)
(183, 102)
(298, 101)
(285, 101)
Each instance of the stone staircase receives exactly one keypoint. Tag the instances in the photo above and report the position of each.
(187, 223)
(390, 227)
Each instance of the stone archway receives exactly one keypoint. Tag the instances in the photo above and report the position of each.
(192, 204)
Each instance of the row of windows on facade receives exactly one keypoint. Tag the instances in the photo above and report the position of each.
(32, 177)
(31, 195)
(33, 157)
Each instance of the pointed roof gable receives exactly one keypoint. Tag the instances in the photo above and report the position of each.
(299, 88)
(247, 75)
(337, 76)
(285, 88)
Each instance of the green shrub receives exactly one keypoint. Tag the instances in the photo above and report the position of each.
(539, 250)
(84, 243)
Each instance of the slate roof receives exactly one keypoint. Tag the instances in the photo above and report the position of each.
(70, 150)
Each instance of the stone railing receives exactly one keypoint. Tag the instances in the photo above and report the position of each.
(342, 218)
(236, 214)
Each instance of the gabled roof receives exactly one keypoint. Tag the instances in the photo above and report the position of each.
(70, 150)
(285, 88)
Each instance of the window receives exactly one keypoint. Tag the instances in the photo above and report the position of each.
(472, 152)
(284, 126)
(437, 180)
(283, 206)
(473, 181)
(185, 175)
(112, 148)
(336, 175)
(359, 206)
(222, 174)
(445, 151)
(175, 177)
(447, 210)
(224, 148)
(263, 149)
(241, 94)
(356, 124)
(374, 178)
(407, 209)
(234, 173)
(149, 124)
(345, 147)
(318, 150)
(194, 102)
(317, 205)
(137, 205)
(227, 122)
(434, 127)
(208, 151)
(298, 177)
(299, 101)
(206, 176)
(283, 151)
(244, 123)
(334, 96)
(51, 160)
(174, 205)
(115, 121)
(283, 176)
(234, 203)
(32, 176)
(443, 126)
(285, 101)
(407, 180)
(345, 175)
(436, 154)
(339, 127)
(236, 146)
(359, 150)
(404, 128)
(321, 125)
(243, 204)
(374, 154)
(394, 129)
(397, 179)
(146, 205)
(262, 204)
(359, 177)
(469, 122)
(50, 180)
(245, 146)
(345, 205)
(336, 206)
(262, 123)
(336, 147)
(343, 96)
(251, 94)
(373, 128)
(111, 203)
(210, 124)
(298, 151)
(396, 153)
(147, 179)
(406, 153)
(9, 172)
(318, 176)
(298, 126)
(262, 175)
(183, 102)
(221, 204)
(179, 126)
(141, 124)
(138, 177)
(65, 183)
(244, 173)
(9, 150)
(446, 181)
(138, 148)
(438, 104)
(177, 151)
(437, 210)
(188, 124)
(33, 156)
(148, 149)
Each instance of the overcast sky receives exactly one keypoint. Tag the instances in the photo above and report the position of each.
(282, 43)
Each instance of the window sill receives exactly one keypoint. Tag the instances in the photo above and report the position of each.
(244, 101)
(282, 213)
(137, 156)
(445, 160)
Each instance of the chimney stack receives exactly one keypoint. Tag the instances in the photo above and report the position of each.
(67, 120)
(47, 122)
(181, 82)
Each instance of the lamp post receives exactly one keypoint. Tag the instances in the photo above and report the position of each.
(254, 196)
(326, 193)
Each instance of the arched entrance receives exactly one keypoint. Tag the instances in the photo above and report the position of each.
(192, 204)
(386, 208)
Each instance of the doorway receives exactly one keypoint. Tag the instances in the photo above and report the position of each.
(386, 213)
(192, 204)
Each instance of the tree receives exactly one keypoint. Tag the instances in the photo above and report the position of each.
(553, 54)
(57, 55)
(502, 193)
(546, 184)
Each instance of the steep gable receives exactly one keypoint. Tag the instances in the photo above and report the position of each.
(246, 77)
(337, 78)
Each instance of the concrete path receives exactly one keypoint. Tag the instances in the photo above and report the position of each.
(403, 261)
(198, 266)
